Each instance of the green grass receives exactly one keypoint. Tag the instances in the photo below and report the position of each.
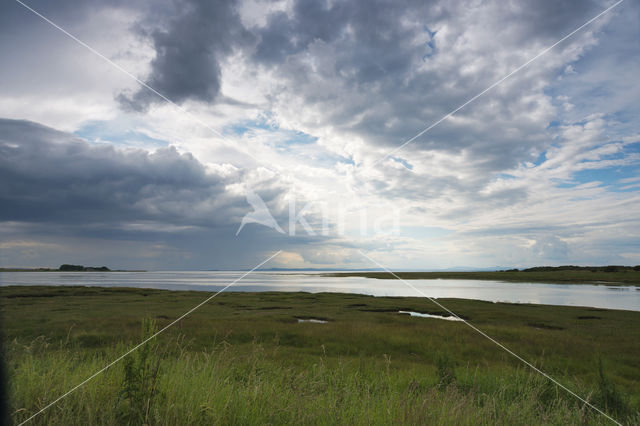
(244, 359)
(624, 277)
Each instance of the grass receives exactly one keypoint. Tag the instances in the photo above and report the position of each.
(244, 359)
(620, 277)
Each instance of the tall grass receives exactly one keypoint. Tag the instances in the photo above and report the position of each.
(171, 384)
(248, 361)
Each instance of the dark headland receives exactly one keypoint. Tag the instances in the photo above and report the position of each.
(66, 267)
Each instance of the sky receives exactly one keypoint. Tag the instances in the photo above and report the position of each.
(189, 134)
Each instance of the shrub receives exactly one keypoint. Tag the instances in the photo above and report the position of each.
(139, 385)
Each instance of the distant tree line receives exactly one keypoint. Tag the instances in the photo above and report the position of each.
(608, 268)
(66, 267)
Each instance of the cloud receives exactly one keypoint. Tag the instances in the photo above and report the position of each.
(365, 76)
(53, 80)
(54, 177)
(550, 248)
(164, 208)
(289, 259)
(188, 52)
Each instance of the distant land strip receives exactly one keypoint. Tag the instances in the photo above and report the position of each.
(69, 268)
(608, 275)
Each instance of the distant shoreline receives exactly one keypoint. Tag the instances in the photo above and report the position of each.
(59, 270)
(628, 277)
(621, 277)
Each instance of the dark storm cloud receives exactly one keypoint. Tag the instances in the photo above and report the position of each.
(188, 53)
(129, 208)
(47, 176)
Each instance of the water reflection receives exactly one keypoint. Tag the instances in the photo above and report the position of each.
(421, 315)
(312, 320)
(599, 296)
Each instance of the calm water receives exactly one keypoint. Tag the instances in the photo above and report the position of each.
(599, 296)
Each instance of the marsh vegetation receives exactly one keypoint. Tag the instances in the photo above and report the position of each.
(244, 358)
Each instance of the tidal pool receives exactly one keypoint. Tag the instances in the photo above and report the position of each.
(313, 320)
(421, 315)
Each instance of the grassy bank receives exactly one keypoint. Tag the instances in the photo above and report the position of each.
(626, 277)
(244, 359)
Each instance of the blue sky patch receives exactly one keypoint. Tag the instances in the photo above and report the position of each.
(610, 177)
(289, 137)
(106, 131)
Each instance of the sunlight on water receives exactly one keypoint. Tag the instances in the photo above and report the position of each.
(597, 296)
